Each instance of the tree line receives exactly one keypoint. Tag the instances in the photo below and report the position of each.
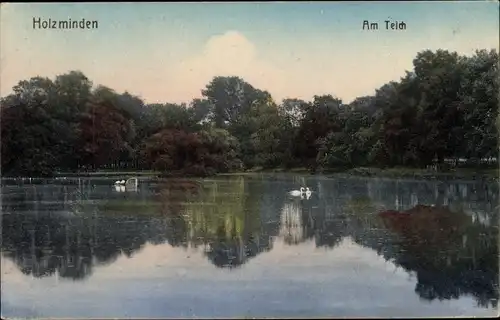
(443, 111)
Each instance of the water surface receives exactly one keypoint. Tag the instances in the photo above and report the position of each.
(241, 247)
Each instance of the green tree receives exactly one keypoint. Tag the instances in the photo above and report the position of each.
(439, 76)
(321, 118)
(202, 110)
(219, 151)
(231, 97)
(28, 140)
(479, 98)
(268, 139)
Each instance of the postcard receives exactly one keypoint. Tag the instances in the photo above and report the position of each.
(249, 160)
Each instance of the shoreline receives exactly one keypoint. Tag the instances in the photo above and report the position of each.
(391, 173)
(426, 174)
(394, 173)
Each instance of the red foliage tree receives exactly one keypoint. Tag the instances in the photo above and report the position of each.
(103, 133)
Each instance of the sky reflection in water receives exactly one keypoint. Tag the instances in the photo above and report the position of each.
(241, 247)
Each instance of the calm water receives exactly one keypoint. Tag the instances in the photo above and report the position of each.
(241, 247)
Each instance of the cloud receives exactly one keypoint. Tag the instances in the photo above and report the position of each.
(229, 54)
(296, 71)
(171, 71)
(297, 75)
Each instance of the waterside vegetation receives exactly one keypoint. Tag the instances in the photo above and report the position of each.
(438, 117)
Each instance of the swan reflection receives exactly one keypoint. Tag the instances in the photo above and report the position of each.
(291, 227)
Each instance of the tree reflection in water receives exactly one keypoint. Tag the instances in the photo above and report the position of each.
(291, 223)
(451, 255)
(232, 220)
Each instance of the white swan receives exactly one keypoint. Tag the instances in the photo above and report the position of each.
(308, 193)
(296, 193)
(130, 184)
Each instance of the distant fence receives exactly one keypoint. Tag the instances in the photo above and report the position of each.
(462, 162)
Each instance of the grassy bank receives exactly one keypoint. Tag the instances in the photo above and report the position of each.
(106, 173)
(398, 172)
(252, 171)
(415, 173)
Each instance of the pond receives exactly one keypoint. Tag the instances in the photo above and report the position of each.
(241, 246)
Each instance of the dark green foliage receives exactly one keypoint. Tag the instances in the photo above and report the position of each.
(444, 110)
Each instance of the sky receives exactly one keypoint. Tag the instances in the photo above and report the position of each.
(168, 52)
